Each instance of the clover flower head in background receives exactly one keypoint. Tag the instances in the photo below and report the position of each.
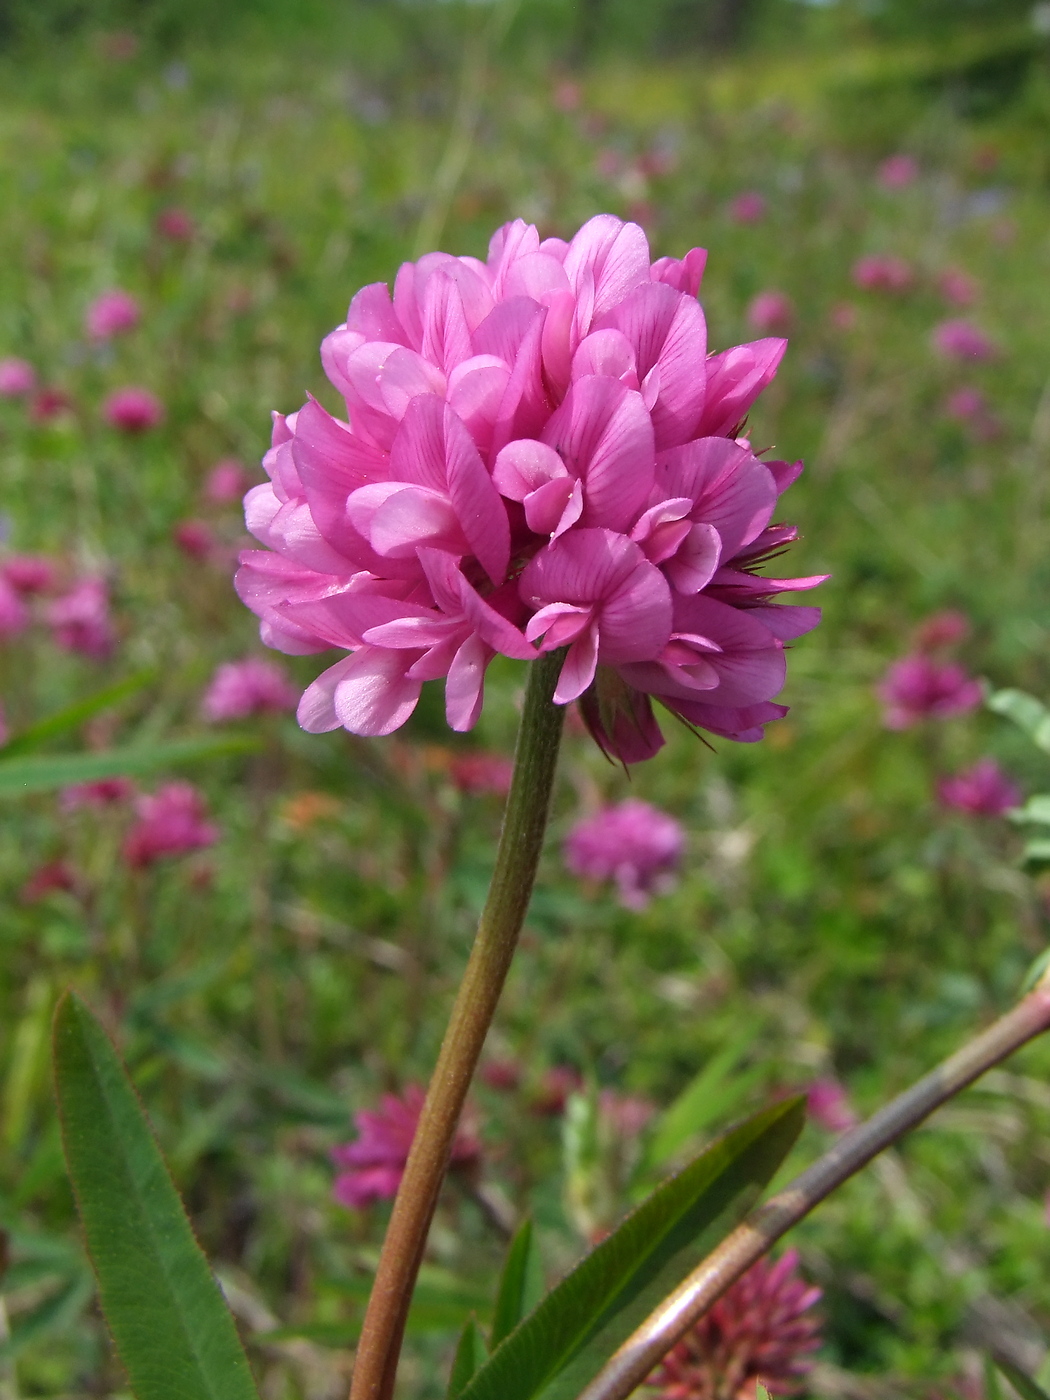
(957, 288)
(14, 615)
(941, 630)
(80, 619)
(50, 405)
(748, 207)
(226, 482)
(538, 454)
(479, 773)
(634, 844)
(982, 790)
(373, 1164)
(195, 538)
(917, 688)
(898, 172)
(133, 410)
(881, 272)
(29, 573)
(962, 340)
(112, 313)
(763, 1329)
(253, 686)
(827, 1103)
(17, 378)
(175, 224)
(170, 822)
(770, 311)
(104, 792)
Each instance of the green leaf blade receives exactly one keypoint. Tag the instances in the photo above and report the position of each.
(45, 773)
(172, 1329)
(1024, 1385)
(470, 1356)
(578, 1325)
(71, 716)
(1027, 713)
(521, 1285)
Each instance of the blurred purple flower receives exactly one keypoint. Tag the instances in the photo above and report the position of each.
(965, 404)
(171, 822)
(50, 403)
(29, 573)
(175, 224)
(828, 1104)
(748, 207)
(375, 1163)
(51, 876)
(633, 843)
(14, 615)
(253, 686)
(195, 538)
(504, 1075)
(556, 1084)
(962, 340)
(982, 790)
(626, 1114)
(916, 688)
(757, 1331)
(897, 172)
(946, 628)
(80, 619)
(843, 316)
(881, 272)
(110, 314)
(770, 311)
(227, 482)
(478, 773)
(105, 792)
(133, 410)
(17, 378)
(957, 288)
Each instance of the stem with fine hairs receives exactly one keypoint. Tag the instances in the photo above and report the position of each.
(518, 853)
(668, 1323)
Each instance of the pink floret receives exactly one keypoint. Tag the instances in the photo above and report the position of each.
(770, 311)
(133, 410)
(111, 314)
(882, 273)
(962, 340)
(982, 791)
(633, 844)
(105, 792)
(916, 688)
(29, 573)
(227, 482)
(80, 620)
(828, 1104)
(748, 207)
(249, 687)
(17, 378)
(171, 822)
(897, 172)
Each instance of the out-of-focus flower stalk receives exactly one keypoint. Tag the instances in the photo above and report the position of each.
(521, 840)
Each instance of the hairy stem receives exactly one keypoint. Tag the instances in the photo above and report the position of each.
(521, 839)
(669, 1322)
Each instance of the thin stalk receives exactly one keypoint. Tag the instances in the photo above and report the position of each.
(518, 853)
(668, 1323)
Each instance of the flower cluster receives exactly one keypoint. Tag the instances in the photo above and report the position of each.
(633, 843)
(170, 822)
(249, 687)
(539, 455)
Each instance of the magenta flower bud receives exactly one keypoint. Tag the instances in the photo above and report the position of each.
(29, 573)
(882, 273)
(771, 312)
(17, 378)
(748, 207)
(962, 340)
(917, 688)
(828, 1104)
(111, 314)
(80, 620)
(633, 844)
(133, 410)
(170, 822)
(249, 687)
(983, 790)
(227, 482)
(898, 172)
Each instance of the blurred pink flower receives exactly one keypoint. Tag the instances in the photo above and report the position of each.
(253, 686)
(917, 688)
(897, 172)
(133, 410)
(633, 843)
(227, 482)
(942, 629)
(195, 538)
(29, 573)
(748, 207)
(828, 1104)
(843, 316)
(880, 272)
(770, 312)
(982, 790)
(375, 1162)
(17, 378)
(957, 288)
(567, 95)
(170, 822)
(504, 1075)
(538, 454)
(626, 1114)
(478, 773)
(104, 792)
(110, 314)
(757, 1331)
(962, 340)
(80, 619)
(175, 224)
(556, 1084)
(50, 404)
(5, 728)
(965, 404)
(14, 615)
(46, 879)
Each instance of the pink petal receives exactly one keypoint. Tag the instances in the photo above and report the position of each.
(465, 685)
(606, 352)
(336, 350)
(696, 561)
(563, 622)
(552, 508)
(373, 695)
(372, 315)
(507, 245)
(613, 255)
(523, 466)
(731, 489)
(668, 332)
(579, 667)
(475, 392)
(316, 713)
(446, 339)
(684, 275)
(735, 378)
(605, 437)
(537, 275)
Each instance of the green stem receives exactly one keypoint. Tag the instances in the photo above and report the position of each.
(520, 842)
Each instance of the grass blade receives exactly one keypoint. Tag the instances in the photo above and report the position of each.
(45, 773)
(470, 1355)
(1024, 1385)
(521, 1285)
(71, 716)
(172, 1329)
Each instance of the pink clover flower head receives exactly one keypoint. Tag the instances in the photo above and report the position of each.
(170, 822)
(957, 288)
(881, 272)
(634, 844)
(17, 378)
(965, 405)
(105, 792)
(917, 688)
(227, 482)
(770, 312)
(762, 1329)
(843, 316)
(626, 1114)
(983, 790)
(80, 620)
(478, 773)
(133, 410)
(112, 313)
(175, 224)
(554, 1089)
(898, 172)
(195, 538)
(14, 615)
(29, 573)
(749, 207)
(374, 1163)
(962, 340)
(942, 629)
(50, 404)
(828, 1104)
(253, 686)
(537, 453)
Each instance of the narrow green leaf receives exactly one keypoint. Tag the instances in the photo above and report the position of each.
(470, 1356)
(1027, 713)
(71, 716)
(521, 1285)
(565, 1340)
(44, 773)
(714, 1092)
(52, 1315)
(172, 1329)
(1036, 853)
(1024, 1385)
(1035, 810)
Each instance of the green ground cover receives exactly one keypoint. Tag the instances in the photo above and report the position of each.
(830, 920)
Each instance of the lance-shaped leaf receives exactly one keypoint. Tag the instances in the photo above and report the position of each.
(1024, 1385)
(520, 1286)
(715, 1091)
(470, 1355)
(1035, 810)
(172, 1329)
(71, 716)
(45, 773)
(574, 1330)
